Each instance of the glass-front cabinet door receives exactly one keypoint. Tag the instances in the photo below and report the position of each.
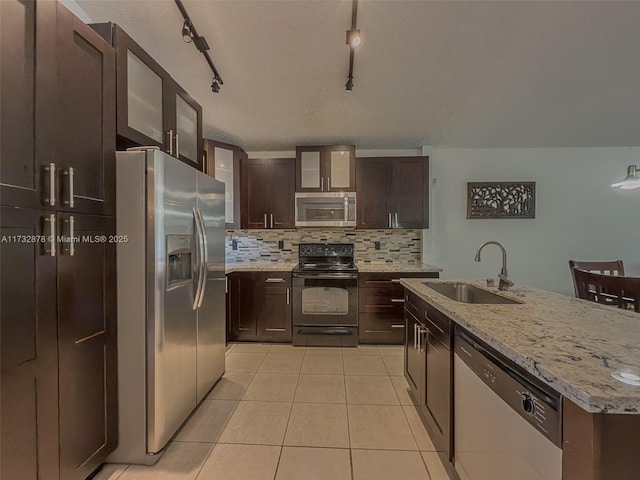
(144, 98)
(186, 142)
(224, 172)
(310, 170)
(340, 162)
(327, 168)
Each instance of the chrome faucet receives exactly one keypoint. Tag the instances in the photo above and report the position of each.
(503, 282)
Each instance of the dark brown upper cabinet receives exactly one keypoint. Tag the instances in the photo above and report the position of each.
(267, 193)
(28, 103)
(222, 162)
(393, 192)
(85, 118)
(329, 168)
(58, 115)
(152, 109)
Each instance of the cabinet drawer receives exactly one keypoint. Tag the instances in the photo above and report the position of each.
(438, 324)
(274, 278)
(380, 300)
(415, 305)
(381, 329)
(381, 279)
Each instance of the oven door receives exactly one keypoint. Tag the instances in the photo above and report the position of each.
(325, 299)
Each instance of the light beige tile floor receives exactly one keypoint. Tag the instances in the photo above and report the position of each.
(282, 412)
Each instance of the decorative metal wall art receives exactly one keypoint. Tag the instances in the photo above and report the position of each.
(501, 200)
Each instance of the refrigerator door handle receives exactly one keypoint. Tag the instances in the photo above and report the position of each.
(199, 256)
(205, 258)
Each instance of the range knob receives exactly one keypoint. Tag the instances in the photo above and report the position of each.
(528, 405)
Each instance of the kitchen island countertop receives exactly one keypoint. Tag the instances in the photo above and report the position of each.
(572, 345)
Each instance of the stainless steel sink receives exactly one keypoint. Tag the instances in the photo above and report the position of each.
(461, 292)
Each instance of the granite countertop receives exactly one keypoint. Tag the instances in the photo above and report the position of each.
(571, 345)
(285, 266)
(259, 266)
(396, 267)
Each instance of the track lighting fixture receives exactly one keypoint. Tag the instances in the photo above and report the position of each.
(354, 39)
(215, 86)
(349, 84)
(186, 33)
(190, 35)
(629, 182)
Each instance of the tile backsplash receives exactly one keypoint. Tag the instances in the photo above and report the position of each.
(263, 245)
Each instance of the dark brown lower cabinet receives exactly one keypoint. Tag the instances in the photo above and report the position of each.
(29, 390)
(428, 360)
(380, 301)
(58, 345)
(260, 306)
(87, 346)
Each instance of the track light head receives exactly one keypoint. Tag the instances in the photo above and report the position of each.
(187, 36)
(349, 84)
(354, 38)
(215, 86)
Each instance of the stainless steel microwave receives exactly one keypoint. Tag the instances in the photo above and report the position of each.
(330, 209)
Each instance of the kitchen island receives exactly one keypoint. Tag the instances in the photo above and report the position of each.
(575, 347)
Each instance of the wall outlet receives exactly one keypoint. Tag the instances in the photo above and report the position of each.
(377, 245)
(234, 244)
(281, 244)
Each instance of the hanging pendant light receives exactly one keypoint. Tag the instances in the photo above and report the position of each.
(630, 181)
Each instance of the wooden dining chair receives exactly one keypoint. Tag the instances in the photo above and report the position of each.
(613, 267)
(613, 290)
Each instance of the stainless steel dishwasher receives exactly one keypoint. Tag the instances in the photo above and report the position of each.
(507, 427)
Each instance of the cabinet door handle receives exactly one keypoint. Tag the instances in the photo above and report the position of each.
(271, 214)
(397, 300)
(170, 134)
(395, 280)
(265, 220)
(389, 220)
(274, 329)
(274, 280)
(328, 184)
(177, 146)
(397, 326)
(50, 198)
(72, 243)
(415, 336)
(288, 296)
(322, 184)
(50, 229)
(68, 174)
(396, 217)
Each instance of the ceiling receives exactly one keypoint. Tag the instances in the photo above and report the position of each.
(484, 74)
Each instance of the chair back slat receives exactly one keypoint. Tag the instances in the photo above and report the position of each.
(612, 267)
(613, 290)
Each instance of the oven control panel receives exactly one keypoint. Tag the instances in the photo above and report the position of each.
(326, 250)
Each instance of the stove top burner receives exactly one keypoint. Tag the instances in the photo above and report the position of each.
(326, 257)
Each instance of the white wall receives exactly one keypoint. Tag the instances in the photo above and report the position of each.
(578, 215)
(77, 10)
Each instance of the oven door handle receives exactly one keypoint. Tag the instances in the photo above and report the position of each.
(324, 331)
(327, 276)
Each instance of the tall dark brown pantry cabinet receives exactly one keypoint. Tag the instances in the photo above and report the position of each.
(57, 191)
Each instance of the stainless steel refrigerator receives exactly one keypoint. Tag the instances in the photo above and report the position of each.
(171, 298)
